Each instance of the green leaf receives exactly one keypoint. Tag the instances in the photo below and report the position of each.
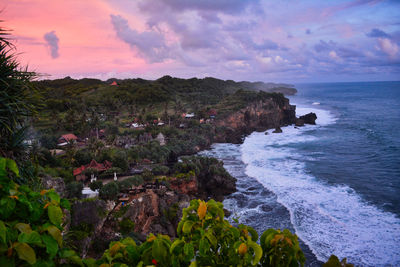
(254, 234)
(175, 244)
(159, 251)
(77, 260)
(55, 233)
(189, 251)
(55, 214)
(23, 227)
(51, 245)
(25, 252)
(53, 196)
(66, 253)
(7, 207)
(133, 253)
(187, 227)
(204, 247)
(257, 251)
(212, 239)
(64, 203)
(235, 232)
(89, 262)
(3, 232)
(32, 238)
(12, 166)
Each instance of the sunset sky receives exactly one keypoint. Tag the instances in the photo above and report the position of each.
(281, 41)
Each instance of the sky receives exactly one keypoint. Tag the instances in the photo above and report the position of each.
(253, 40)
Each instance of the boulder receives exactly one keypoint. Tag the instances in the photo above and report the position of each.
(309, 118)
(277, 130)
(299, 122)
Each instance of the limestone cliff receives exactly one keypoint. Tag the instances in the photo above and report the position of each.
(256, 116)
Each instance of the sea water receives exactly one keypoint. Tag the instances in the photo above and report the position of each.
(335, 184)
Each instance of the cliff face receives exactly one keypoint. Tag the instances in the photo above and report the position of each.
(153, 211)
(257, 116)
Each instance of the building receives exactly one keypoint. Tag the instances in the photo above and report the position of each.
(65, 139)
(99, 167)
(57, 152)
(114, 83)
(189, 115)
(161, 139)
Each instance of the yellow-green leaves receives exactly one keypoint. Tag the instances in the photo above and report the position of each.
(257, 251)
(31, 238)
(12, 166)
(28, 234)
(281, 248)
(55, 233)
(187, 227)
(55, 215)
(25, 252)
(23, 227)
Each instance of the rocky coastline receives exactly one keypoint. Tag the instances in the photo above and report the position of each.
(93, 223)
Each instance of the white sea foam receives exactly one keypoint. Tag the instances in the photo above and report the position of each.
(324, 117)
(316, 103)
(330, 219)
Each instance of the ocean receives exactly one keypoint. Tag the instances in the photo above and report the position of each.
(335, 184)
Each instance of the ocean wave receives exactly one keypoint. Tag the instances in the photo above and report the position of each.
(331, 219)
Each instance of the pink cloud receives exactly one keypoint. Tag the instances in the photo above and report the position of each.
(87, 41)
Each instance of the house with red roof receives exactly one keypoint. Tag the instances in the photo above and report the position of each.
(99, 167)
(65, 139)
(114, 83)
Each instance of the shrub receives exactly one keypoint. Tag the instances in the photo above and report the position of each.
(160, 170)
(96, 185)
(30, 223)
(74, 190)
(124, 185)
(126, 226)
(109, 191)
(281, 248)
(120, 160)
(82, 157)
(187, 176)
(136, 180)
(147, 175)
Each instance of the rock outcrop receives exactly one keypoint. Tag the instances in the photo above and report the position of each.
(57, 184)
(87, 220)
(260, 115)
(309, 118)
(216, 187)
